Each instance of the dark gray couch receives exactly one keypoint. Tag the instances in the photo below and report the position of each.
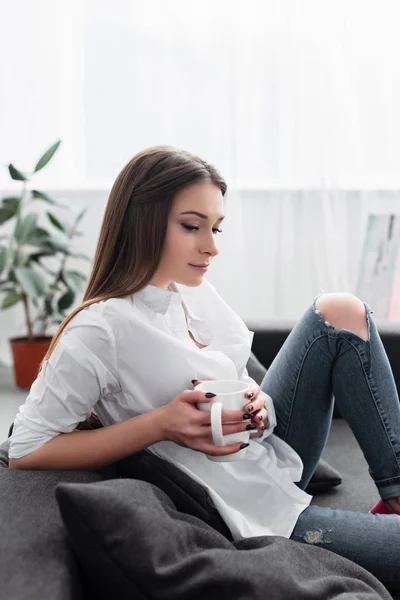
(36, 556)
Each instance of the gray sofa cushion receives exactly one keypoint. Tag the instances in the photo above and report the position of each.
(134, 543)
(255, 369)
(37, 561)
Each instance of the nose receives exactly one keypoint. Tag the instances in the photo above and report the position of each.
(212, 248)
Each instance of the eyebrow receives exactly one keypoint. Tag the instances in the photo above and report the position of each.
(194, 212)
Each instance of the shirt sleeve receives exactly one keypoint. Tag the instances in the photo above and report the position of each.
(268, 403)
(81, 369)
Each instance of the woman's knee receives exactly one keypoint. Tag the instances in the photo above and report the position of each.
(344, 311)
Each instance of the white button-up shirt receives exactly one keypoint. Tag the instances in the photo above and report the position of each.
(125, 356)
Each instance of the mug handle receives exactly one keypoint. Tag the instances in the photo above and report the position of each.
(216, 424)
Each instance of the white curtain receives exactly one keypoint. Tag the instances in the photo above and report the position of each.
(281, 93)
(295, 101)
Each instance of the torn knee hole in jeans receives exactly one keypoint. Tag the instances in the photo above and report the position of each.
(318, 312)
(368, 311)
(316, 536)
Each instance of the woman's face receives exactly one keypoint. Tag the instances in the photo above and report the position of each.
(191, 238)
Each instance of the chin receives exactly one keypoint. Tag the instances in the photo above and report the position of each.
(192, 281)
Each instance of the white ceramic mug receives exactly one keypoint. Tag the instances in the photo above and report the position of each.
(230, 395)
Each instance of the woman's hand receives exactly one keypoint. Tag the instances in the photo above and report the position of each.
(180, 421)
(254, 406)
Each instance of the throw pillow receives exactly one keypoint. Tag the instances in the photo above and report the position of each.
(133, 543)
(188, 495)
(255, 369)
(324, 478)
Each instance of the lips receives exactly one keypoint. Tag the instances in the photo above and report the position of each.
(204, 266)
(199, 268)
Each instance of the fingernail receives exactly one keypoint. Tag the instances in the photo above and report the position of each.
(210, 395)
(244, 446)
(249, 427)
(247, 416)
(250, 408)
(194, 380)
(250, 394)
(260, 417)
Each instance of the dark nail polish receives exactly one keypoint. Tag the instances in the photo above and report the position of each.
(247, 416)
(248, 427)
(244, 446)
(250, 394)
(210, 395)
(194, 380)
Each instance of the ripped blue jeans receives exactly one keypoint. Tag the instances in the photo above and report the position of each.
(317, 363)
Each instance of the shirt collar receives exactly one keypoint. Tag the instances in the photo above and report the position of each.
(159, 299)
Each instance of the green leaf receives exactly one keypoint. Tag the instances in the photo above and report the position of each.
(11, 276)
(47, 246)
(47, 156)
(82, 276)
(8, 208)
(8, 288)
(21, 258)
(78, 218)
(5, 215)
(80, 255)
(46, 270)
(80, 215)
(66, 301)
(11, 203)
(25, 227)
(53, 289)
(74, 280)
(45, 249)
(11, 299)
(15, 174)
(39, 232)
(56, 244)
(37, 237)
(48, 306)
(55, 222)
(36, 256)
(31, 281)
(41, 196)
(3, 258)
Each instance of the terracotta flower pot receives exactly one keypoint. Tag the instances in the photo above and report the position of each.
(27, 358)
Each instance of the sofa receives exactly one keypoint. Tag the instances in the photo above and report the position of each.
(48, 550)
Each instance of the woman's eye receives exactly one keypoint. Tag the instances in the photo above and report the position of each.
(191, 228)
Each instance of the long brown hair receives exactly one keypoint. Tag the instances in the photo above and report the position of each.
(134, 227)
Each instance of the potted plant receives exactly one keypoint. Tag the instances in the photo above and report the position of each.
(35, 246)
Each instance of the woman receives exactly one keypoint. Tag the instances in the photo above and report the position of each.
(151, 325)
